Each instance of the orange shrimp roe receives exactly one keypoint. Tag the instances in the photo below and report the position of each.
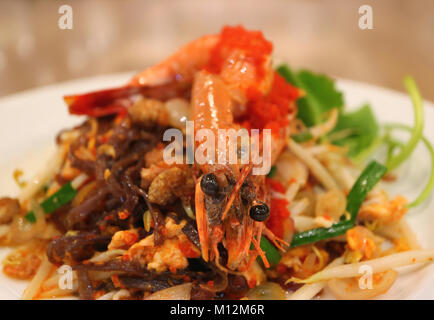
(271, 111)
(278, 213)
(275, 185)
(253, 43)
(268, 111)
(278, 209)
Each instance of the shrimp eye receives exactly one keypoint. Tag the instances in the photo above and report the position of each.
(259, 212)
(209, 184)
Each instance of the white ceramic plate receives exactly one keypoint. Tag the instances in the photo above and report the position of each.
(29, 122)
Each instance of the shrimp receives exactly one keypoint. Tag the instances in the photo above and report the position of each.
(173, 76)
(166, 80)
(180, 67)
(222, 69)
(226, 193)
(211, 109)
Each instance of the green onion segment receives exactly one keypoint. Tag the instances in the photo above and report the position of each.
(430, 184)
(416, 132)
(271, 253)
(302, 136)
(365, 183)
(54, 202)
(272, 172)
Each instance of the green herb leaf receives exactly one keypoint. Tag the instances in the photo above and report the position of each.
(362, 128)
(321, 94)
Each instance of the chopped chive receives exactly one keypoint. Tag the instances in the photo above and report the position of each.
(319, 234)
(272, 172)
(417, 132)
(430, 184)
(366, 181)
(55, 201)
(271, 252)
(30, 217)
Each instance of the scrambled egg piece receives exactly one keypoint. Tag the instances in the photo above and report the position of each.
(384, 210)
(361, 245)
(171, 255)
(123, 239)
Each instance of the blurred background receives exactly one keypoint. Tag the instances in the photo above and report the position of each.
(113, 36)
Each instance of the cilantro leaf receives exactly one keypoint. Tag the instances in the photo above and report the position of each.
(321, 94)
(361, 127)
(357, 129)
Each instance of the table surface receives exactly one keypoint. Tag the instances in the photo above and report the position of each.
(112, 36)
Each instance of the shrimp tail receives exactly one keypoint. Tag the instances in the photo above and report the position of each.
(100, 103)
(116, 100)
